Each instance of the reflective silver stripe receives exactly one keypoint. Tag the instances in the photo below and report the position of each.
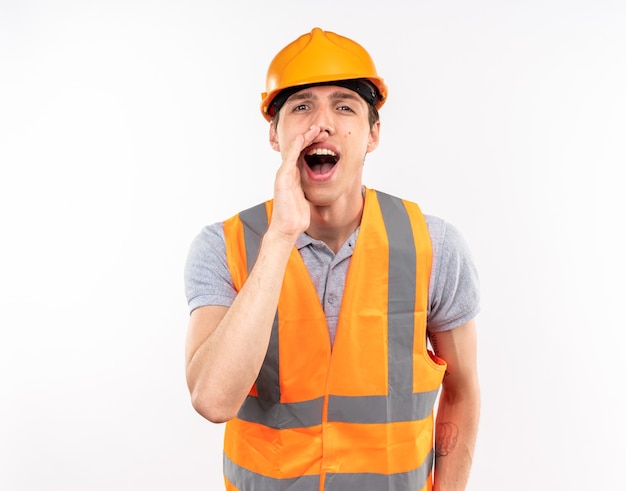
(414, 480)
(401, 296)
(246, 480)
(381, 409)
(268, 380)
(255, 224)
(282, 416)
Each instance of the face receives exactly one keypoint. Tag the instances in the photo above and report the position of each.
(331, 167)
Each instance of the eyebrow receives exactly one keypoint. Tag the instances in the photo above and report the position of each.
(338, 95)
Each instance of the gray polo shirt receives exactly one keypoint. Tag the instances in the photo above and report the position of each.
(453, 296)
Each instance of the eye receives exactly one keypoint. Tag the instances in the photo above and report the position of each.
(300, 107)
(344, 108)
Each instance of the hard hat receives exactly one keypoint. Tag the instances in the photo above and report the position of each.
(319, 57)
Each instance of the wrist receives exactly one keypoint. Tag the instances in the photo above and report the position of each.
(280, 240)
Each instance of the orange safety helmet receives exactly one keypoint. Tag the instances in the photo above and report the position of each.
(318, 58)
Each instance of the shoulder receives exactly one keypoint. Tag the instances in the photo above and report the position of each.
(446, 238)
(454, 284)
(206, 249)
(209, 237)
(436, 228)
(207, 278)
(213, 236)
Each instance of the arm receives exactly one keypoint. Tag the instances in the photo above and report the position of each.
(226, 345)
(459, 407)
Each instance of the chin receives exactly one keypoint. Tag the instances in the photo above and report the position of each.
(320, 197)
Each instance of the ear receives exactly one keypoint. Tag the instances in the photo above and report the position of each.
(274, 137)
(374, 137)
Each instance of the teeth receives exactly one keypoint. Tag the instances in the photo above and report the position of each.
(321, 151)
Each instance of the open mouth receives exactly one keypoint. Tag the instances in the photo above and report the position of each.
(321, 160)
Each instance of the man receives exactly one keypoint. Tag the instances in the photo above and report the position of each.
(310, 313)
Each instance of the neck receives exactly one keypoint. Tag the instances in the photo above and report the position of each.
(334, 224)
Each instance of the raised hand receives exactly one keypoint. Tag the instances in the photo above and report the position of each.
(292, 214)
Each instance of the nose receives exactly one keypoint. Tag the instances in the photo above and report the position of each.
(323, 119)
(327, 128)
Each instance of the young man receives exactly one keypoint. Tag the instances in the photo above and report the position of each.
(310, 313)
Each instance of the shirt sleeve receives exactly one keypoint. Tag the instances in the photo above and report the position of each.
(207, 278)
(454, 286)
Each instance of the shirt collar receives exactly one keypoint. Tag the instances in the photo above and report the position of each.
(306, 240)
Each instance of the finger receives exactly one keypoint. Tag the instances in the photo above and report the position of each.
(300, 142)
(311, 135)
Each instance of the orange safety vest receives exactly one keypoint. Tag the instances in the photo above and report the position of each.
(358, 417)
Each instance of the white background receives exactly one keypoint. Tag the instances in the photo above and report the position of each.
(126, 126)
